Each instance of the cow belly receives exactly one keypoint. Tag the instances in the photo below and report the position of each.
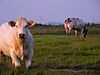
(4, 48)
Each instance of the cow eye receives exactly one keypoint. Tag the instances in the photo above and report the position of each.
(26, 26)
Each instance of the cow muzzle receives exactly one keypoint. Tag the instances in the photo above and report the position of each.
(22, 36)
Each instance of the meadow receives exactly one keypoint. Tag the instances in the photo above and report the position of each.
(55, 51)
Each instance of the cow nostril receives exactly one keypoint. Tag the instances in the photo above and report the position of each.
(22, 35)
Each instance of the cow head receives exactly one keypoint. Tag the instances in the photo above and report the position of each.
(21, 26)
(69, 20)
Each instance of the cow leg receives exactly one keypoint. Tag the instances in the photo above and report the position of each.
(82, 32)
(12, 62)
(76, 33)
(7, 60)
(66, 28)
(85, 33)
(15, 59)
(0, 57)
(29, 59)
(6, 57)
(69, 31)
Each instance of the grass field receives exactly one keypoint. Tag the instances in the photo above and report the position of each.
(54, 50)
(64, 52)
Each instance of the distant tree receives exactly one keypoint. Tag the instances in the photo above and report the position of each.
(88, 24)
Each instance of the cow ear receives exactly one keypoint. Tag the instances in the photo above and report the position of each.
(31, 23)
(68, 19)
(11, 23)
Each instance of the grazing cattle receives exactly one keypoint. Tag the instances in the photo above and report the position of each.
(75, 24)
(17, 41)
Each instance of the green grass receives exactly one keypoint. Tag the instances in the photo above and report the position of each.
(54, 50)
(59, 51)
(43, 72)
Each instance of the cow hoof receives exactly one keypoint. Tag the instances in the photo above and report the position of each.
(30, 67)
(17, 66)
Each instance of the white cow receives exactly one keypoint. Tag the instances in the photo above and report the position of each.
(16, 41)
(75, 24)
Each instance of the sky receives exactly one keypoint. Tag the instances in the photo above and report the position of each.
(44, 11)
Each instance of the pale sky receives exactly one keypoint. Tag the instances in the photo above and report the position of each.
(44, 11)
